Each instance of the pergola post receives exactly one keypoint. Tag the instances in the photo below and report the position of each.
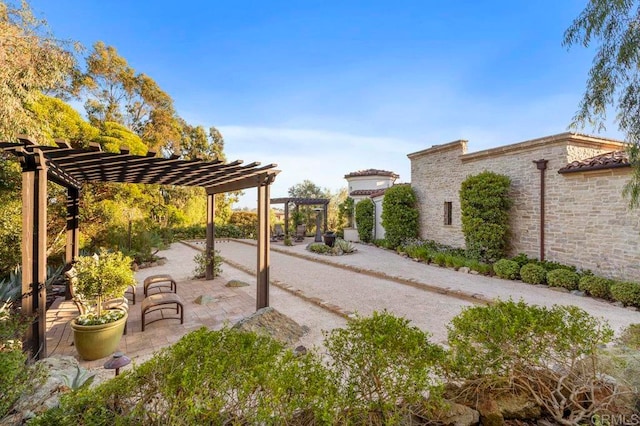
(286, 220)
(73, 235)
(326, 211)
(34, 252)
(211, 232)
(262, 296)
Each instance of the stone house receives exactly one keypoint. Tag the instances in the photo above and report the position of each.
(567, 199)
(370, 183)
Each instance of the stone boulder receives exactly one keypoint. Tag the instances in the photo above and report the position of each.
(456, 415)
(61, 373)
(275, 324)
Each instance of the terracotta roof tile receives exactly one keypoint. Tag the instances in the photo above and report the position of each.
(371, 172)
(610, 160)
(378, 193)
(363, 192)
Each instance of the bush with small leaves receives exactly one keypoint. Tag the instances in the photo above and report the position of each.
(509, 347)
(563, 278)
(480, 267)
(399, 215)
(365, 219)
(595, 286)
(532, 273)
(507, 269)
(385, 366)
(626, 292)
(209, 377)
(202, 260)
(484, 208)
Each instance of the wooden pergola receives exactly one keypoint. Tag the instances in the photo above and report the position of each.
(324, 202)
(71, 167)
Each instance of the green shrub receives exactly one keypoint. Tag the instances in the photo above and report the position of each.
(201, 260)
(522, 259)
(208, 377)
(563, 278)
(399, 214)
(507, 269)
(485, 204)
(626, 292)
(228, 231)
(384, 365)
(595, 286)
(532, 273)
(550, 266)
(16, 377)
(365, 220)
(246, 222)
(543, 353)
(320, 248)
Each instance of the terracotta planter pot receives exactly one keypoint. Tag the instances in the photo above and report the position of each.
(97, 341)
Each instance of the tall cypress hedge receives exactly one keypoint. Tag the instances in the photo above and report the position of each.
(365, 220)
(399, 215)
(485, 204)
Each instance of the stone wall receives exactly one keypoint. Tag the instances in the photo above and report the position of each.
(587, 221)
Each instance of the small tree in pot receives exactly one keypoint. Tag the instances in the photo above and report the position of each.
(98, 280)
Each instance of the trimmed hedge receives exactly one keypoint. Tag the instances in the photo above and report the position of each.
(507, 269)
(595, 286)
(485, 204)
(365, 220)
(626, 292)
(563, 278)
(399, 215)
(532, 273)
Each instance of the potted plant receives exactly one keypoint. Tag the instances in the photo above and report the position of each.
(330, 238)
(98, 281)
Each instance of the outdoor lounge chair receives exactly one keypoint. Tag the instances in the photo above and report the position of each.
(278, 232)
(301, 231)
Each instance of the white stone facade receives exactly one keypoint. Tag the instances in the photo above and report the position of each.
(587, 220)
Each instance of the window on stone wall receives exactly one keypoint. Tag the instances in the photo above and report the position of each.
(448, 215)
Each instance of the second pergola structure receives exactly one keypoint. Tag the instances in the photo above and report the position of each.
(71, 168)
(297, 202)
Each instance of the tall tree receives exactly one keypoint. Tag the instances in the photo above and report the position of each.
(32, 61)
(114, 92)
(613, 26)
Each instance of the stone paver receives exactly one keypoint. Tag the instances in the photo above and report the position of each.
(230, 305)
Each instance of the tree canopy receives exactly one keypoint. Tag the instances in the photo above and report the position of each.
(123, 107)
(612, 26)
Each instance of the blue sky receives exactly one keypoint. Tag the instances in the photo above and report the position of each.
(324, 88)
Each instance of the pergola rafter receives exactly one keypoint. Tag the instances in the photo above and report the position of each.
(72, 167)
